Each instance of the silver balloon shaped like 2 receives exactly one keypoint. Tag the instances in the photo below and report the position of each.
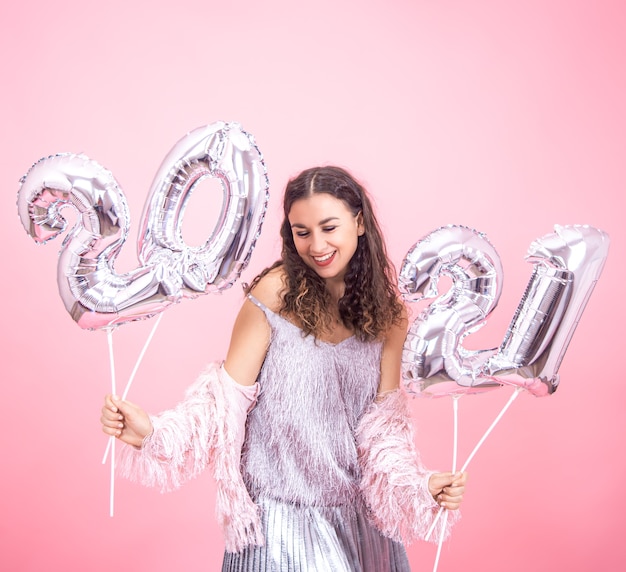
(434, 361)
(566, 267)
(94, 294)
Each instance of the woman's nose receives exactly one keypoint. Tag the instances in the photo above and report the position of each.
(318, 242)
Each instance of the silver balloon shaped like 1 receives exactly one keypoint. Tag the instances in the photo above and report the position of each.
(567, 265)
(94, 294)
(434, 362)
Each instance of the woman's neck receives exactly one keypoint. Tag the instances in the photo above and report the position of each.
(336, 289)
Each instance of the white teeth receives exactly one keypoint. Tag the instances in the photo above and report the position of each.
(323, 258)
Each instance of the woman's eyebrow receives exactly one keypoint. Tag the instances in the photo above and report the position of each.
(320, 223)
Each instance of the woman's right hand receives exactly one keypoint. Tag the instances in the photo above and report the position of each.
(125, 420)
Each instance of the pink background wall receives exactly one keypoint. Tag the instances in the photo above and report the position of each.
(504, 116)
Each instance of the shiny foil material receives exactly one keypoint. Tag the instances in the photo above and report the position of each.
(94, 294)
(434, 361)
(566, 266)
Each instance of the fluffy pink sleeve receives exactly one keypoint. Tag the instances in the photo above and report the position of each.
(206, 428)
(394, 482)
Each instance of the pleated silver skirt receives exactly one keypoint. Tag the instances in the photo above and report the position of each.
(306, 539)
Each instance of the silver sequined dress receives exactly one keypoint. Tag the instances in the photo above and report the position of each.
(299, 458)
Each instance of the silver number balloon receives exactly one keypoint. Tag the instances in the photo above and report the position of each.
(434, 361)
(567, 264)
(95, 295)
(225, 152)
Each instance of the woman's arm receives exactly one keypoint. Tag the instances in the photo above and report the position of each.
(401, 493)
(251, 333)
(392, 356)
(249, 342)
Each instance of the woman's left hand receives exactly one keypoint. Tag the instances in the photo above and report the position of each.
(447, 489)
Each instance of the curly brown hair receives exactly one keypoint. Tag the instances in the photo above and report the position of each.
(370, 304)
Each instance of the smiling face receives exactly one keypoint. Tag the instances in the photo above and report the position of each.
(325, 233)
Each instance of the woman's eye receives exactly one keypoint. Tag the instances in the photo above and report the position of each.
(329, 228)
(302, 234)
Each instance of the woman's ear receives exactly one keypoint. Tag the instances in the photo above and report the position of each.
(360, 227)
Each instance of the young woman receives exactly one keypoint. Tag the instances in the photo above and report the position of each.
(304, 425)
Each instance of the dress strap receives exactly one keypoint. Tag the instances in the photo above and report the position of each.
(258, 303)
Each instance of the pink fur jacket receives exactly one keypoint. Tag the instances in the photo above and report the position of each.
(207, 428)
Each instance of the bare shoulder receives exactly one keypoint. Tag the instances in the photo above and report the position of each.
(392, 354)
(399, 330)
(251, 332)
(268, 290)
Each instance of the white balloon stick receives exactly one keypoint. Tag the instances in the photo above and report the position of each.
(517, 391)
(132, 375)
(455, 446)
(112, 439)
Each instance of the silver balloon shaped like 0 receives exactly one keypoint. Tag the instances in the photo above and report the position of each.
(94, 294)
